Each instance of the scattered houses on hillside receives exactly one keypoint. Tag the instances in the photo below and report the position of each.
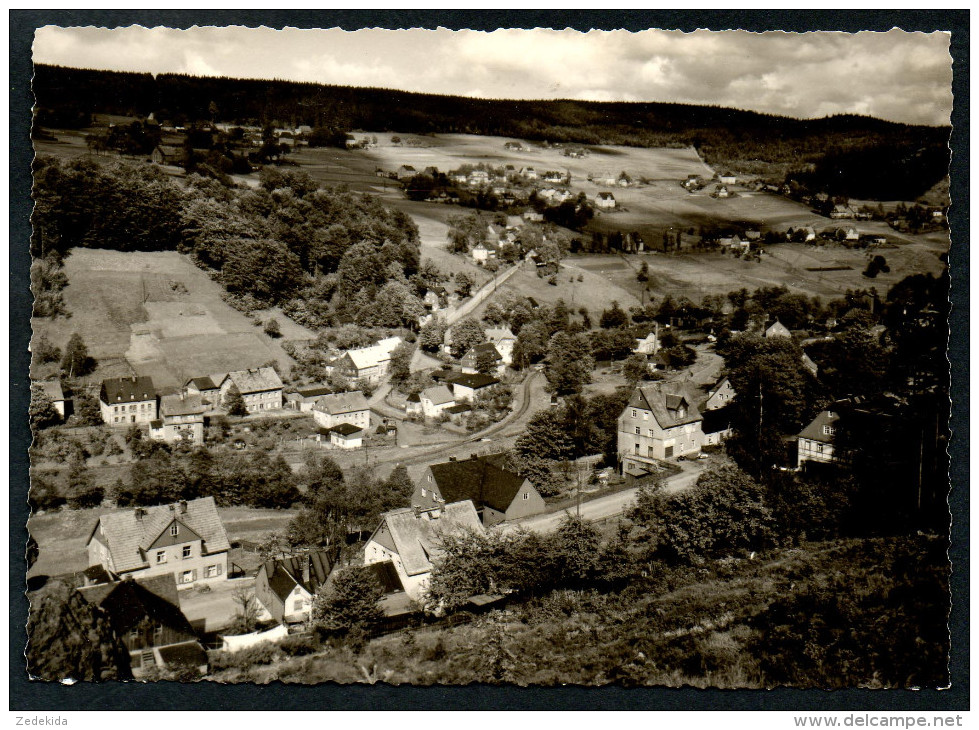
(125, 401)
(659, 422)
(497, 493)
(186, 540)
(146, 619)
(181, 419)
(337, 408)
(261, 388)
(409, 538)
(286, 586)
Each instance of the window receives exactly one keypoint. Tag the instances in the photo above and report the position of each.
(186, 552)
(187, 576)
(299, 605)
(174, 529)
(634, 414)
(158, 631)
(526, 496)
(429, 477)
(650, 433)
(829, 430)
(211, 571)
(637, 430)
(132, 408)
(819, 448)
(161, 556)
(645, 416)
(424, 492)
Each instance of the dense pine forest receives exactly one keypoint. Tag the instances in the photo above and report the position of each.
(842, 152)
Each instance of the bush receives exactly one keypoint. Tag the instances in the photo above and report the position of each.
(301, 644)
(272, 328)
(264, 653)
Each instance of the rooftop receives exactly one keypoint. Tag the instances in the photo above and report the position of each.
(416, 535)
(255, 380)
(338, 403)
(117, 390)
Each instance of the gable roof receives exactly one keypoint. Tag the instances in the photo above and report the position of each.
(204, 383)
(477, 479)
(51, 388)
(496, 335)
(778, 330)
(438, 394)
(474, 380)
(313, 391)
(128, 536)
(483, 348)
(346, 429)
(663, 400)
(183, 404)
(416, 535)
(255, 380)
(118, 390)
(337, 403)
(285, 574)
(368, 357)
(814, 430)
(127, 602)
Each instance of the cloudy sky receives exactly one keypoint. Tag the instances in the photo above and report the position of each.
(896, 75)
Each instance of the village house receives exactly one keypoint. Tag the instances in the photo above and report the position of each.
(483, 351)
(52, 389)
(168, 155)
(528, 173)
(336, 408)
(306, 396)
(181, 419)
(719, 395)
(553, 176)
(777, 330)
(841, 212)
(370, 363)
(512, 146)
(465, 386)
(185, 540)
(482, 252)
(432, 402)
(478, 178)
(406, 172)
(808, 234)
(722, 192)
(208, 388)
(605, 200)
(648, 345)
(717, 426)
(816, 441)
(497, 493)
(533, 216)
(605, 178)
(286, 586)
(727, 179)
(503, 340)
(261, 388)
(125, 401)
(145, 617)
(410, 539)
(659, 422)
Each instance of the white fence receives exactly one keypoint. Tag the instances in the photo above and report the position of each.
(247, 641)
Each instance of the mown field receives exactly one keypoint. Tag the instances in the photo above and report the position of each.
(157, 314)
(62, 536)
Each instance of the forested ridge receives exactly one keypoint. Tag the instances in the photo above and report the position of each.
(728, 139)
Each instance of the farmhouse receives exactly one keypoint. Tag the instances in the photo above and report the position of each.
(659, 422)
(208, 387)
(719, 395)
(343, 436)
(777, 330)
(405, 172)
(287, 586)
(727, 179)
(482, 252)
(145, 617)
(433, 401)
(722, 192)
(306, 396)
(817, 439)
(337, 408)
(181, 419)
(497, 493)
(504, 340)
(410, 538)
(529, 173)
(648, 345)
(465, 386)
(605, 200)
(124, 401)
(261, 388)
(841, 212)
(485, 351)
(168, 155)
(185, 540)
(370, 363)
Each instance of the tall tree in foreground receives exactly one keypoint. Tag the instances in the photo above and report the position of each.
(76, 361)
(351, 600)
(234, 403)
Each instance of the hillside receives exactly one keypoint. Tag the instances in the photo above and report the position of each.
(728, 139)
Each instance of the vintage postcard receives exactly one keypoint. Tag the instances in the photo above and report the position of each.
(526, 357)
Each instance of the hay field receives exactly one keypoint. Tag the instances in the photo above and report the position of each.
(156, 314)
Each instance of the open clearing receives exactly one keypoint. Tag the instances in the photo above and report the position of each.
(156, 314)
(61, 536)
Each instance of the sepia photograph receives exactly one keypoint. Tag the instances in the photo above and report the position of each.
(519, 357)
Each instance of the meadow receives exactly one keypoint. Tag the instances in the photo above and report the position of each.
(156, 314)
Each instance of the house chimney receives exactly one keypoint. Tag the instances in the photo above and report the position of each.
(172, 507)
(452, 458)
(139, 513)
(183, 506)
(307, 564)
(473, 456)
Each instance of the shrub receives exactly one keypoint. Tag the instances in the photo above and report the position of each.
(301, 644)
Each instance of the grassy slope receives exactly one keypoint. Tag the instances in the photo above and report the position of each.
(694, 628)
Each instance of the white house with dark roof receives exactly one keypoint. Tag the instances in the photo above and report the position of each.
(346, 436)
(433, 401)
(465, 386)
(261, 388)
(125, 401)
(336, 408)
(287, 586)
(305, 397)
(370, 363)
(484, 350)
(409, 539)
(503, 340)
(185, 539)
(660, 421)
(208, 387)
(817, 440)
(605, 200)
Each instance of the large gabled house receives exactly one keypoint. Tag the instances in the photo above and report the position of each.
(287, 586)
(504, 340)
(659, 422)
(208, 387)
(370, 363)
(410, 539)
(186, 540)
(719, 395)
(305, 397)
(337, 408)
(145, 615)
(125, 401)
(497, 493)
(261, 388)
(483, 351)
